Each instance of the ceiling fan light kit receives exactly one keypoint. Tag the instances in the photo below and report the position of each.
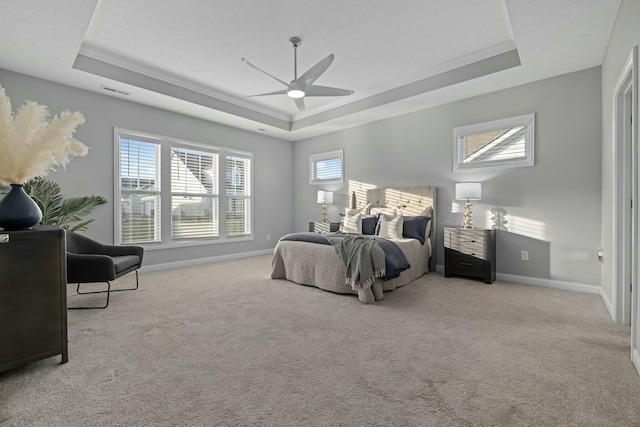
(303, 86)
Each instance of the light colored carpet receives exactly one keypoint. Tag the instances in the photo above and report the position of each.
(222, 344)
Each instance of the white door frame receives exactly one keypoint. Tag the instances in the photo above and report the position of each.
(635, 298)
(627, 205)
(624, 192)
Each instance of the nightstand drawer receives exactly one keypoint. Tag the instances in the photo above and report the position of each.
(324, 227)
(467, 264)
(473, 248)
(468, 242)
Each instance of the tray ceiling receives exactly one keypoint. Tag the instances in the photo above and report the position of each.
(186, 57)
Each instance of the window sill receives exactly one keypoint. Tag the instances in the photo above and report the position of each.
(192, 243)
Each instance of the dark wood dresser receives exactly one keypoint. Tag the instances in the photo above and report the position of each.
(470, 252)
(33, 296)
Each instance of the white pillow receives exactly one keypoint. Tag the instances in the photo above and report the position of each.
(391, 226)
(352, 224)
(363, 210)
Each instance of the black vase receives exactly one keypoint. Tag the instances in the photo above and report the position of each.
(18, 211)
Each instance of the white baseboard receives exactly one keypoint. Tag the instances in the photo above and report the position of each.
(608, 305)
(635, 358)
(548, 283)
(197, 261)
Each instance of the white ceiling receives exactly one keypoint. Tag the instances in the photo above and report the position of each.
(397, 56)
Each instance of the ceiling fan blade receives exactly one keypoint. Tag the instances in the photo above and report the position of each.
(299, 103)
(264, 72)
(314, 90)
(314, 72)
(278, 92)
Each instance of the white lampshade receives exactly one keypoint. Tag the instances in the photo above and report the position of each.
(468, 191)
(325, 197)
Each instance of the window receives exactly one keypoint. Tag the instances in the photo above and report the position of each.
(326, 168)
(194, 194)
(139, 191)
(238, 184)
(168, 191)
(506, 143)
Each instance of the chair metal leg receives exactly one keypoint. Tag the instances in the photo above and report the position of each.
(108, 291)
(128, 289)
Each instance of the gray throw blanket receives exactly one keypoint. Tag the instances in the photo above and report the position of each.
(363, 257)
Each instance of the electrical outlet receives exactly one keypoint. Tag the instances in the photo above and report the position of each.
(268, 236)
(524, 255)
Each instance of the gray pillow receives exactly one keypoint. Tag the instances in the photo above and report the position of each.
(414, 227)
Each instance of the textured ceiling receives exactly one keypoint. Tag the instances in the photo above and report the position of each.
(186, 56)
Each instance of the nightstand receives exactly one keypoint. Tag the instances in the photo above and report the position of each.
(470, 252)
(324, 227)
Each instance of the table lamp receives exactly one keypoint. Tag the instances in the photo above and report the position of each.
(468, 191)
(326, 198)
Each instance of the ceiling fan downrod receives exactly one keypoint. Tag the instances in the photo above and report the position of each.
(295, 42)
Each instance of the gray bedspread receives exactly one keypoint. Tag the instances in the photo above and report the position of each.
(366, 257)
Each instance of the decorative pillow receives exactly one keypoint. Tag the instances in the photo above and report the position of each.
(415, 227)
(363, 210)
(352, 224)
(388, 212)
(369, 223)
(390, 227)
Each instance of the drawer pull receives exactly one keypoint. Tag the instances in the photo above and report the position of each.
(4, 238)
(466, 263)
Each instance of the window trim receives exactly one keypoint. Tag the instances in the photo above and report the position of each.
(526, 120)
(313, 158)
(165, 194)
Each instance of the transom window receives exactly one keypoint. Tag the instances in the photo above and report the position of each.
(168, 191)
(326, 168)
(506, 143)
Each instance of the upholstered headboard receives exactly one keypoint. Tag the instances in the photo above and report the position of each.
(410, 201)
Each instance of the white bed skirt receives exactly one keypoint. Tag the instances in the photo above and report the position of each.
(319, 265)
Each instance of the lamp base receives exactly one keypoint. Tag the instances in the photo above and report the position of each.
(325, 216)
(468, 215)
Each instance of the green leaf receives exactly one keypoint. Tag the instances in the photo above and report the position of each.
(73, 209)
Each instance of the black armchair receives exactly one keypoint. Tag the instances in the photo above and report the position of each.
(91, 262)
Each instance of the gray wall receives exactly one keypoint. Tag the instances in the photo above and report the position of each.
(94, 174)
(549, 205)
(553, 207)
(625, 35)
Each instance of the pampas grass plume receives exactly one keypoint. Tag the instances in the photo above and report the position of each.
(32, 145)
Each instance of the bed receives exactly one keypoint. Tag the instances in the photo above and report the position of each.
(319, 265)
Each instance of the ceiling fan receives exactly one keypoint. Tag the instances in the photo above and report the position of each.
(303, 86)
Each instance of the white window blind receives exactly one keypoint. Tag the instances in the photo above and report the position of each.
(325, 168)
(139, 191)
(194, 194)
(204, 192)
(238, 192)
